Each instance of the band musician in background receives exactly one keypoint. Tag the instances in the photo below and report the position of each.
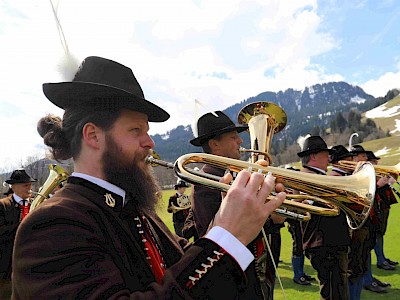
(13, 209)
(357, 266)
(326, 240)
(218, 135)
(179, 205)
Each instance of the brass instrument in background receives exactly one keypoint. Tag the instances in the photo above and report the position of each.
(380, 170)
(56, 176)
(183, 203)
(264, 120)
(332, 192)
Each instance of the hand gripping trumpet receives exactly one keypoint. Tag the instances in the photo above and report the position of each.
(330, 193)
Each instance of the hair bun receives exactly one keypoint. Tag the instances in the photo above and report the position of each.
(48, 123)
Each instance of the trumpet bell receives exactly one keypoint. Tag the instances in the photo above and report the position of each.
(264, 120)
(267, 109)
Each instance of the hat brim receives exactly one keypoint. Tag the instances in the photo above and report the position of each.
(12, 181)
(356, 152)
(205, 137)
(80, 94)
(311, 151)
(346, 155)
(341, 157)
(180, 186)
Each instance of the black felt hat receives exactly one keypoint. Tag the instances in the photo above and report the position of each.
(101, 82)
(19, 176)
(371, 156)
(314, 144)
(340, 152)
(209, 126)
(358, 149)
(181, 183)
(9, 192)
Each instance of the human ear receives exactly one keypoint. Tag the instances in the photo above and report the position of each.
(92, 135)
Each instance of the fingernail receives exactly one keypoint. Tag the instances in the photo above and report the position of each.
(269, 175)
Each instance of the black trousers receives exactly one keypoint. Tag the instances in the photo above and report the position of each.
(294, 228)
(178, 226)
(331, 265)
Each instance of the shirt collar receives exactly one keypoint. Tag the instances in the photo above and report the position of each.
(102, 183)
(18, 199)
(318, 170)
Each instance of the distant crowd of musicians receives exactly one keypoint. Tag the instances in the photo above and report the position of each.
(341, 256)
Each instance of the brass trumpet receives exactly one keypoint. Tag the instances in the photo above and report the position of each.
(331, 193)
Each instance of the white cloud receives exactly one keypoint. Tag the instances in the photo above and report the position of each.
(379, 87)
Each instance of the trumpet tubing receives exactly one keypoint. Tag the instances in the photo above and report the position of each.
(380, 170)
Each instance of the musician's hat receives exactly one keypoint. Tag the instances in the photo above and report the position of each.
(19, 176)
(314, 144)
(358, 149)
(340, 153)
(101, 82)
(210, 126)
(371, 156)
(181, 183)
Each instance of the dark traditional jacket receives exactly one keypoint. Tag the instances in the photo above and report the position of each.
(9, 222)
(76, 246)
(322, 231)
(206, 203)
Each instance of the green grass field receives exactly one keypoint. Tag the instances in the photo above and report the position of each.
(294, 291)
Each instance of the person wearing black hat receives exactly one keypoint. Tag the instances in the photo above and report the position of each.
(179, 205)
(340, 153)
(364, 239)
(355, 265)
(12, 211)
(384, 198)
(218, 135)
(326, 240)
(100, 235)
(360, 154)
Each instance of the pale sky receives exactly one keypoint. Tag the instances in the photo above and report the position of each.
(219, 52)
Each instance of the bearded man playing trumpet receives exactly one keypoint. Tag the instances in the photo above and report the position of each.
(326, 240)
(100, 236)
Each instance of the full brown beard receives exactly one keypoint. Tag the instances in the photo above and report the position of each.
(132, 175)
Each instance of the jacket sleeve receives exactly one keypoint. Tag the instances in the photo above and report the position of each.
(7, 228)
